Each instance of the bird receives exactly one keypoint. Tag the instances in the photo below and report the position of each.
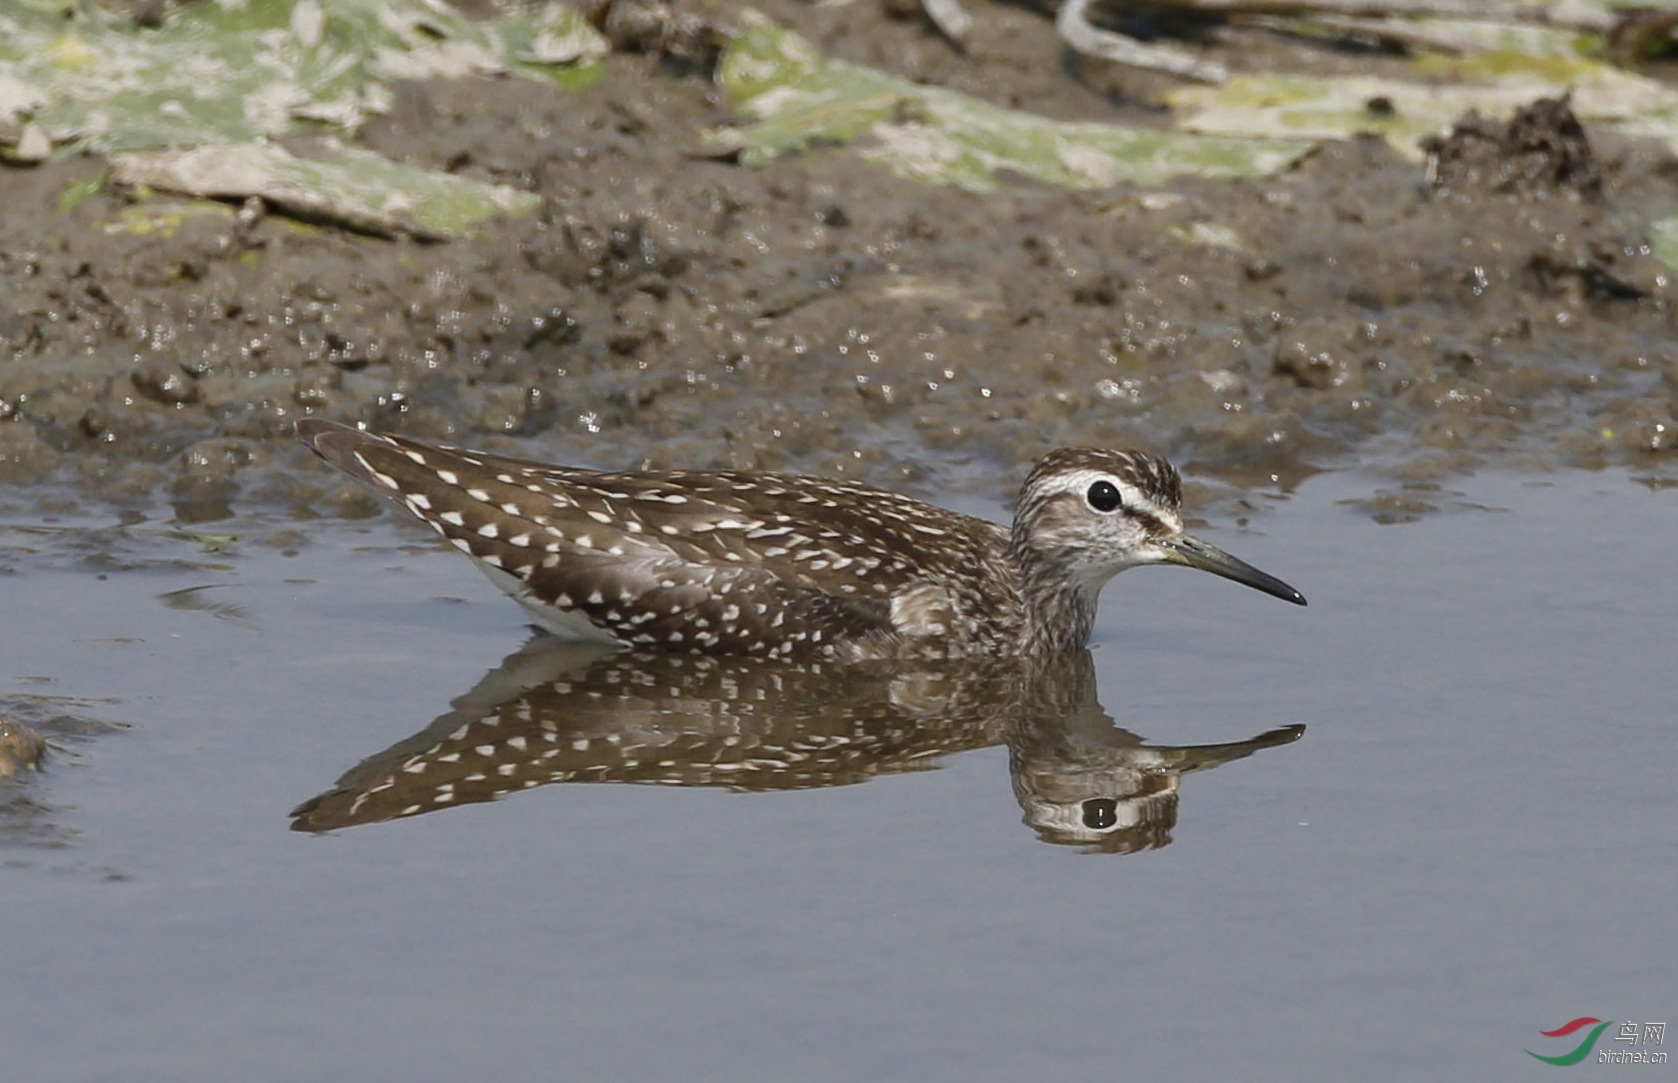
(789, 566)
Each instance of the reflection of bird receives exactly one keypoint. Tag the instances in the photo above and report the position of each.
(565, 712)
(786, 566)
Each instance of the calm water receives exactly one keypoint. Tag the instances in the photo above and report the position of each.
(1473, 840)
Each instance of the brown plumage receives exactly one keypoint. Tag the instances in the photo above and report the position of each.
(789, 566)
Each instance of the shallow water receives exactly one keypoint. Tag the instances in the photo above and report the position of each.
(1470, 843)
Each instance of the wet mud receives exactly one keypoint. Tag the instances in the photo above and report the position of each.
(1495, 303)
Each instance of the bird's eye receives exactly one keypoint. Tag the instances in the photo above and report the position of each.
(1100, 813)
(1104, 496)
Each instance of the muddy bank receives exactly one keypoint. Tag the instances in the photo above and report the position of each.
(668, 308)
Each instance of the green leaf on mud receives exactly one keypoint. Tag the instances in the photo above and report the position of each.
(147, 218)
(1494, 82)
(206, 540)
(76, 191)
(1663, 241)
(801, 99)
(229, 74)
(231, 71)
(350, 187)
(1455, 36)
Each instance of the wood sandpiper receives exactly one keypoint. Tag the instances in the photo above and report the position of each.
(787, 566)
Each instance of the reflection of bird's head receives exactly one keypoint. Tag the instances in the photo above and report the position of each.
(1110, 808)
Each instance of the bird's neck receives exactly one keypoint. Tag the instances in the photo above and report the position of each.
(1060, 607)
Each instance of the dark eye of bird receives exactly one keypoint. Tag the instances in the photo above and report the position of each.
(1104, 496)
(1100, 813)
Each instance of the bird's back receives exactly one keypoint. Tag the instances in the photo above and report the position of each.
(721, 562)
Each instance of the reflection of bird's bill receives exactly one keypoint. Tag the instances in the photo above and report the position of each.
(1200, 757)
(1116, 797)
(1191, 552)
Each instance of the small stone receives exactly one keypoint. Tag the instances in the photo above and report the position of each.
(21, 748)
(162, 382)
(33, 145)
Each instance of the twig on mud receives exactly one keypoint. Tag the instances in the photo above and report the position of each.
(660, 29)
(1074, 27)
(1570, 13)
(1640, 34)
(950, 18)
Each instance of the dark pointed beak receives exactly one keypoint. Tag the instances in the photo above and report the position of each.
(1191, 552)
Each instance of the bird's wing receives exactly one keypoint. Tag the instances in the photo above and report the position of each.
(716, 562)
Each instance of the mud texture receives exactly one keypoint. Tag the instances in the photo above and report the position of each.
(666, 308)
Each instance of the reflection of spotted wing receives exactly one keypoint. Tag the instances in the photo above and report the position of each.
(745, 724)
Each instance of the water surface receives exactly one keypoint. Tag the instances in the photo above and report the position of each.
(1470, 843)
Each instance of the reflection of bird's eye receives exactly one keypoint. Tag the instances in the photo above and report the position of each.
(1104, 496)
(1101, 813)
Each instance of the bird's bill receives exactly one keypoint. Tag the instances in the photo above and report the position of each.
(1191, 552)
